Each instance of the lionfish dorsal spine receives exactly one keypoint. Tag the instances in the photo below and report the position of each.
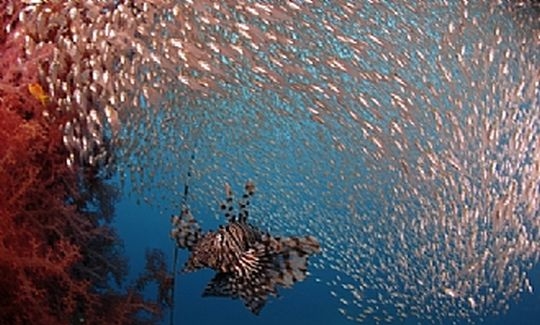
(227, 205)
(243, 204)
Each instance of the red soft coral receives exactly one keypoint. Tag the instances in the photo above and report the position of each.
(35, 266)
(51, 249)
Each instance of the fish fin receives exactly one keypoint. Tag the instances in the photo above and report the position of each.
(234, 286)
(227, 206)
(194, 262)
(221, 285)
(186, 231)
(255, 261)
(252, 282)
(292, 254)
(255, 303)
(249, 190)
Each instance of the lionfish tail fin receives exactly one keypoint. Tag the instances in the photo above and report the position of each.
(186, 231)
(249, 190)
(292, 257)
(227, 205)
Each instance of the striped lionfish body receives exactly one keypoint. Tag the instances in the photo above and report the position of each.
(249, 264)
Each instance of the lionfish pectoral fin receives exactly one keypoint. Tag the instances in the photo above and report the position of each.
(221, 285)
(255, 303)
(306, 245)
(292, 257)
(259, 268)
(234, 286)
(186, 231)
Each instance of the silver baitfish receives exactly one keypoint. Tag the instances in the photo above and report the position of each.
(250, 264)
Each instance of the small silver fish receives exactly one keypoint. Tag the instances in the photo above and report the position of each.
(250, 264)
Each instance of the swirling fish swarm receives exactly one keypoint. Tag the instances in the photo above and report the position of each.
(411, 129)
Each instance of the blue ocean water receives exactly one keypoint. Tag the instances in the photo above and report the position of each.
(142, 227)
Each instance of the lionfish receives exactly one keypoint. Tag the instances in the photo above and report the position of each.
(250, 264)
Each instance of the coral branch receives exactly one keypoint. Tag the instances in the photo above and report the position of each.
(56, 252)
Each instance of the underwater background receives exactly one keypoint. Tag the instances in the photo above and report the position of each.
(403, 135)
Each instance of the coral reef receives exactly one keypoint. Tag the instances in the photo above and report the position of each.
(57, 249)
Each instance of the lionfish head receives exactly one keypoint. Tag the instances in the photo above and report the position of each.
(204, 254)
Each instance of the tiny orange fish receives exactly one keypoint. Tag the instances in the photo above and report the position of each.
(38, 93)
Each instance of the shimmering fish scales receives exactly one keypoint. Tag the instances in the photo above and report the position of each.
(250, 264)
